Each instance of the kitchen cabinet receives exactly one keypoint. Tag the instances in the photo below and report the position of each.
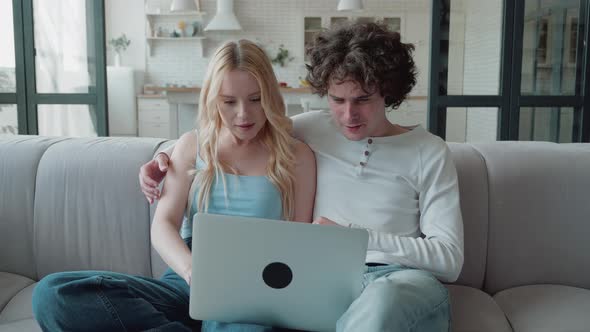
(155, 117)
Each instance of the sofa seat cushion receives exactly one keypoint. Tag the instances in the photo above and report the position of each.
(19, 307)
(474, 310)
(10, 285)
(546, 308)
(25, 325)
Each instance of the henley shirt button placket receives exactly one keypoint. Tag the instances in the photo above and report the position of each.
(364, 157)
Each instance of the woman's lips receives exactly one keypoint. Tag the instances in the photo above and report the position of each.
(245, 126)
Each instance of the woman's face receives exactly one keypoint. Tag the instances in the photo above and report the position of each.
(239, 104)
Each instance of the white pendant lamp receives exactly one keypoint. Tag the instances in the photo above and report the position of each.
(183, 6)
(345, 5)
(224, 19)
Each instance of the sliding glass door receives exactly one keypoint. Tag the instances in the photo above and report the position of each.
(9, 115)
(510, 70)
(61, 48)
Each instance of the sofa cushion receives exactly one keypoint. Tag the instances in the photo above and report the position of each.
(90, 213)
(473, 190)
(474, 310)
(20, 307)
(28, 325)
(19, 159)
(538, 214)
(546, 308)
(10, 285)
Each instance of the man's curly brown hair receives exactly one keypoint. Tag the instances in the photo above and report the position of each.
(369, 54)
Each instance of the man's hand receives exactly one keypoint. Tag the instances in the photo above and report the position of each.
(151, 174)
(325, 221)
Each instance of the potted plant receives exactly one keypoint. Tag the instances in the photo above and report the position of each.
(280, 60)
(282, 57)
(119, 44)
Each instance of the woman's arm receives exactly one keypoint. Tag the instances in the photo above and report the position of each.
(305, 182)
(169, 213)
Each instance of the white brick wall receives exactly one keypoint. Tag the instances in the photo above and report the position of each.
(275, 22)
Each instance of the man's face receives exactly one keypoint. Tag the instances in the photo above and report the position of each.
(357, 113)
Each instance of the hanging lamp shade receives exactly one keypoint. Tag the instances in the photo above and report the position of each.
(344, 5)
(224, 19)
(183, 6)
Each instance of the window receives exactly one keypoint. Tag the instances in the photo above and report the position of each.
(60, 70)
(543, 41)
(573, 40)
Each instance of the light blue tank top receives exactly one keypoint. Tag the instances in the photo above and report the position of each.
(247, 196)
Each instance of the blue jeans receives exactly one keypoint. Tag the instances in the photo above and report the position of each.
(109, 301)
(396, 298)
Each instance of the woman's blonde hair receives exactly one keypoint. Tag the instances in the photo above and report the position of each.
(275, 135)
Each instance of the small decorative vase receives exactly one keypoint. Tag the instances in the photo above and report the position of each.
(117, 59)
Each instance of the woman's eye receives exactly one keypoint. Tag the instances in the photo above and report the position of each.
(229, 102)
(257, 99)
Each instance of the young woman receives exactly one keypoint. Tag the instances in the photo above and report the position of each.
(241, 160)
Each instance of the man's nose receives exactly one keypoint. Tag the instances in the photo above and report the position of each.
(350, 111)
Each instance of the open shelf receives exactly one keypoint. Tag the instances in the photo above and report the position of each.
(193, 13)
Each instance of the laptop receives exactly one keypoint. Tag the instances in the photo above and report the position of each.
(275, 273)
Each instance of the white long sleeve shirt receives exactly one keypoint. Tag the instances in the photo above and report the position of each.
(402, 189)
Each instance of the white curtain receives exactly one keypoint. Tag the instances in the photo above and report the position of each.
(62, 65)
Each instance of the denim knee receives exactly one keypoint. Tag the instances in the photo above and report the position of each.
(410, 296)
(46, 296)
(406, 300)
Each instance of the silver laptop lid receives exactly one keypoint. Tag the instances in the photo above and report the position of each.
(276, 273)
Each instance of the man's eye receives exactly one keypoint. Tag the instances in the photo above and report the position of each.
(339, 101)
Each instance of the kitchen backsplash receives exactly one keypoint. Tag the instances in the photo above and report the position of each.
(272, 23)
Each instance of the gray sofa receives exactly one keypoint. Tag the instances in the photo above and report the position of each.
(75, 204)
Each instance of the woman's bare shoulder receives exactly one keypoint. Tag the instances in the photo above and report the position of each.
(186, 147)
(303, 151)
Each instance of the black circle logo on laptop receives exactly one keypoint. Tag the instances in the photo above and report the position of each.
(277, 275)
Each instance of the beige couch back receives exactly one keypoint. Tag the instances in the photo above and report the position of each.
(75, 203)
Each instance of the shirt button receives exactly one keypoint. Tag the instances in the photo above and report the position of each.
(370, 141)
(362, 163)
(366, 153)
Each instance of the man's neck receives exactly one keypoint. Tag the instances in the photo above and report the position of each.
(390, 129)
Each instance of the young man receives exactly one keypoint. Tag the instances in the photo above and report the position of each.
(396, 182)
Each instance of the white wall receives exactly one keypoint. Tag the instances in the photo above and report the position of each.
(482, 64)
(128, 17)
